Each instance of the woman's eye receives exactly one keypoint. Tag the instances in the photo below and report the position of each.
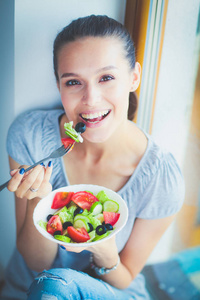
(106, 78)
(72, 82)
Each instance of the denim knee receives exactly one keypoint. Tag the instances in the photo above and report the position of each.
(68, 284)
(55, 284)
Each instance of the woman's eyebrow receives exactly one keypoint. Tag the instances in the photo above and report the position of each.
(106, 68)
(71, 74)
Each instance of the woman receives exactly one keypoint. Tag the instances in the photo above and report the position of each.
(96, 74)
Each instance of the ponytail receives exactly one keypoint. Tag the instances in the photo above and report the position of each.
(133, 103)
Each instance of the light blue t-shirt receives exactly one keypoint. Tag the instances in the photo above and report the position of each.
(155, 190)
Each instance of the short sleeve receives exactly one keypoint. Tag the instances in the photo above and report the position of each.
(18, 139)
(33, 135)
(164, 191)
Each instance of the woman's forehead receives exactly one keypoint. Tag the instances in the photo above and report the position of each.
(91, 49)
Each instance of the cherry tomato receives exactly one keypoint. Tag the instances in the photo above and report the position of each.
(78, 235)
(67, 142)
(54, 224)
(84, 199)
(110, 217)
(61, 199)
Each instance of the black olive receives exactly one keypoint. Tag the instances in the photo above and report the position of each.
(49, 217)
(91, 227)
(80, 127)
(66, 224)
(101, 229)
(109, 226)
(78, 211)
(57, 232)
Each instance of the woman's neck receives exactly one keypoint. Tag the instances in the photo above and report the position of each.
(97, 151)
(128, 141)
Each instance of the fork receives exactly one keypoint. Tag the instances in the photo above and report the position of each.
(55, 154)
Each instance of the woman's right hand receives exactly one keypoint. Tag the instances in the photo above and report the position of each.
(24, 184)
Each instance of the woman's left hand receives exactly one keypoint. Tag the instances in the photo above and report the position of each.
(102, 247)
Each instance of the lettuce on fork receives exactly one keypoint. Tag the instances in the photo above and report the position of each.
(71, 132)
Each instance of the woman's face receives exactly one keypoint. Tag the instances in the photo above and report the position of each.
(94, 82)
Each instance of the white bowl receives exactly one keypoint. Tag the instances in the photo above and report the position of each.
(43, 209)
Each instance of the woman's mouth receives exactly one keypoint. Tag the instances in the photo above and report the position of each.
(95, 117)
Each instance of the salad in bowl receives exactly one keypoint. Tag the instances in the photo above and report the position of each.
(80, 215)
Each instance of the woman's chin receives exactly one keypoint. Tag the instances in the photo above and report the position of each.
(96, 138)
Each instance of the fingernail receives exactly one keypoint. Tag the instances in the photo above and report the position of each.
(62, 247)
(42, 164)
(21, 171)
(49, 164)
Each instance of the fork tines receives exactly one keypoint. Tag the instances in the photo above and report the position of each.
(69, 147)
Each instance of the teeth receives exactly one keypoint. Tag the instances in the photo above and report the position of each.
(95, 115)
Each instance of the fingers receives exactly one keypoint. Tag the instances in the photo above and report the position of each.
(73, 249)
(13, 172)
(41, 186)
(48, 172)
(34, 189)
(36, 175)
(46, 187)
(17, 176)
(34, 183)
(107, 245)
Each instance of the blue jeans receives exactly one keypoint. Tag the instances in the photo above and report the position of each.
(68, 284)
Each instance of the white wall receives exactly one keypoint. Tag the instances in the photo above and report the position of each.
(34, 25)
(175, 91)
(176, 82)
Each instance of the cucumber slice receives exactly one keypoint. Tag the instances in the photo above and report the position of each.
(99, 237)
(92, 235)
(81, 217)
(102, 196)
(81, 224)
(96, 208)
(62, 238)
(43, 224)
(100, 217)
(110, 206)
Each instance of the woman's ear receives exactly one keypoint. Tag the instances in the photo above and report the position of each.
(136, 73)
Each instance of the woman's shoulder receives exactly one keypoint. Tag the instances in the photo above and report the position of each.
(164, 187)
(154, 158)
(35, 118)
(157, 185)
(29, 133)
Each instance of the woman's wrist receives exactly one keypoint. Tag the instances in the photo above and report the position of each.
(102, 270)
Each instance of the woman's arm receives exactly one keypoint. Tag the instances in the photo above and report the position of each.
(39, 253)
(144, 237)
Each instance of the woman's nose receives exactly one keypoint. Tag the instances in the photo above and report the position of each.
(91, 95)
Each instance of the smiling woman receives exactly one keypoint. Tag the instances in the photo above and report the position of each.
(96, 72)
(87, 92)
